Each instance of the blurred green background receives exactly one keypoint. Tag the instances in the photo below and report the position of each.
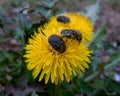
(16, 20)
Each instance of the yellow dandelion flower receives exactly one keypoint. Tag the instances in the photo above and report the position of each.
(55, 58)
(74, 21)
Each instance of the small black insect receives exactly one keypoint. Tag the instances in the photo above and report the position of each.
(73, 34)
(57, 43)
(63, 19)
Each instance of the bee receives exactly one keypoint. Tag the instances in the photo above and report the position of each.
(57, 43)
(63, 19)
(73, 34)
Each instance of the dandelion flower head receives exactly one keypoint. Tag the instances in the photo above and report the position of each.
(55, 65)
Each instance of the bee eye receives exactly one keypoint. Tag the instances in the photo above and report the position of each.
(57, 43)
(63, 19)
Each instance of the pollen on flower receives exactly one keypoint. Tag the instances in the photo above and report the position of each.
(55, 58)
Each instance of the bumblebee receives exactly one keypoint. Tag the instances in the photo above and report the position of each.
(73, 34)
(63, 19)
(57, 43)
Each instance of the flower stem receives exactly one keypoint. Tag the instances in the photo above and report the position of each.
(57, 90)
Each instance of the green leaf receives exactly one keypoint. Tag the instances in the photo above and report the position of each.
(60, 11)
(49, 3)
(115, 55)
(24, 21)
(34, 94)
(100, 34)
(33, 29)
(3, 62)
(99, 93)
(21, 21)
(18, 33)
(85, 87)
(99, 84)
(98, 39)
(92, 11)
(45, 11)
(111, 65)
(112, 87)
(77, 85)
(96, 61)
(114, 63)
(30, 77)
(16, 2)
(67, 93)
